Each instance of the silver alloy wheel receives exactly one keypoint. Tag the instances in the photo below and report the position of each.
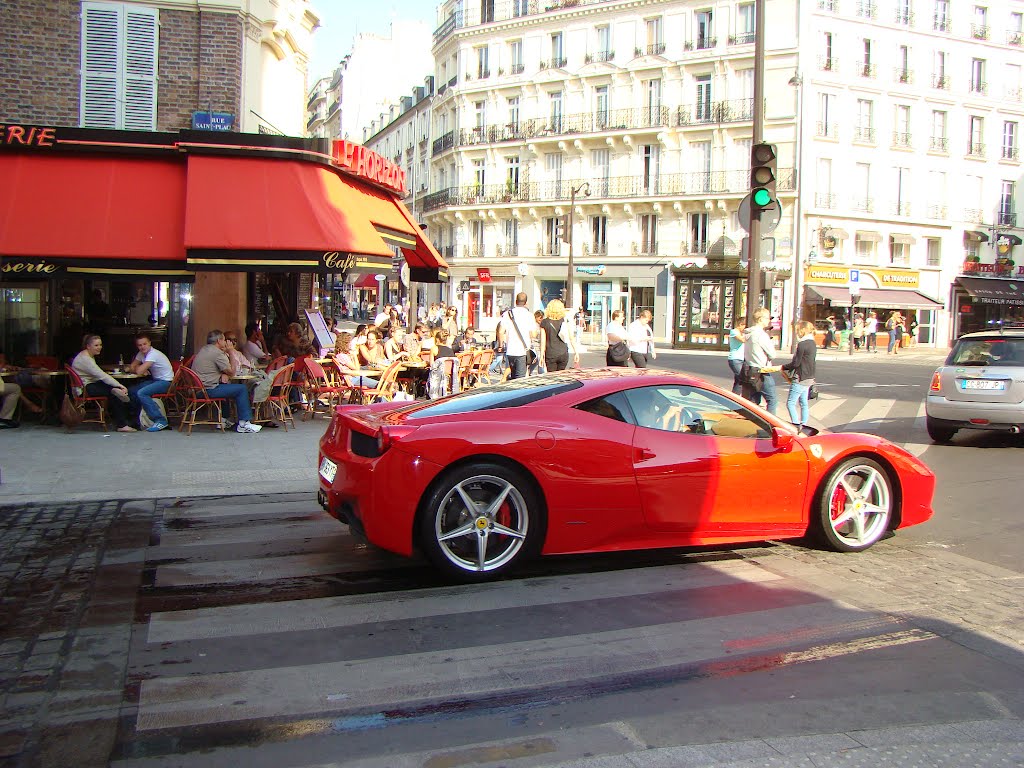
(481, 523)
(859, 504)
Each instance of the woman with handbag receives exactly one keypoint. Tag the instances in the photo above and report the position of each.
(801, 373)
(556, 338)
(618, 348)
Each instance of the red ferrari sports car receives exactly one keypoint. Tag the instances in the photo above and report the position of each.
(600, 460)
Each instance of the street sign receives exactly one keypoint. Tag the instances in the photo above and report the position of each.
(767, 249)
(770, 217)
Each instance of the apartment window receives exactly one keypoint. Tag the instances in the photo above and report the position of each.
(976, 131)
(933, 251)
(824, 198)
(867, 68)
(648, 233)
(745, 23)
(864, 130)
(700, 152)
(936, 194)
(901, 129)
(655, 40)
(827, 61)
(903, 73)
(899, 252)
(939, 142)
(652, 101)
(865, 250)
(553, 165)
(862, 187)
(476, 236)
(483, 67)
(515, 56)
(513, 113)
(940, 21)
(479, 176)
(486, 11)
(599, 235)
(557, 51)
(552, 243)
(600, 171)
(1011, 82)
(604, 43)
(650, 158)
(827, 117)
(901, 205)
(555, 110)
(601, 107)
(479, 117)
(119, 61)
(512, 173)
(1009, 140)
(705, 32)
(978, 84)
(939, 78)
(741, 153)
(903, 12)
(702, 112)
(520, 8)
(1007, 217)
(699, 232)
(511, 237)
(979, 27)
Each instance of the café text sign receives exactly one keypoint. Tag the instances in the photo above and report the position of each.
(367, 164)
(22, 267)
(26, 136)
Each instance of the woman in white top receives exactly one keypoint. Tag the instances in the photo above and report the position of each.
(615, 333)
(98, 383)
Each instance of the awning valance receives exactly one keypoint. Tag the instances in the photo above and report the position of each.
(838, 234)
(903, 239)
(868, 235)
(971, 236)
(870, 298)
(993, 290)
(367, 281)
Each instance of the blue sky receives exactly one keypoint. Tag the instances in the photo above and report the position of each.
(341, 20)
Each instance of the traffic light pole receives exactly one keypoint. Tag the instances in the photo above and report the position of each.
(754, 230)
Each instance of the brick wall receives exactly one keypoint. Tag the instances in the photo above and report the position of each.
(199, 69)
(40, 55)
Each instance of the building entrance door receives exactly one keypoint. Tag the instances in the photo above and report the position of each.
(601, 306)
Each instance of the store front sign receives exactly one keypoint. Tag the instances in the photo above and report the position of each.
(483, 275)
(23, 267)
(12, 135)
(1006, 269)
(598, 270)
(338, 262)
(830, 275)
(884, 278)
(367, 164)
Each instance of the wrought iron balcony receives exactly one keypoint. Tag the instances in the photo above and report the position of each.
(938, 144)
(1010, 153)
(975, 149)
(936, 211)
(599, 56)
(865, 69)
(980, 31)
(866, 10)
(695, 247)
(733, 111)
(1006, 219)
(742, 38)
(940, 82)
(902, 75)
(900, 139)
(828, 64)
(655, 49)
(517, 69)
(826, 130)
(442, 143)
(1014, 38)
(864, 134)
(828, 5)
(1013, 94)
(644, 248)
(900, 208)
(865, 205)
(979, 86)
(822, 200)
(942, 23)
(973, 215)
(701, 43)
(904, 16)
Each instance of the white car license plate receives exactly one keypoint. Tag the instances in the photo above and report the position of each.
(328, 469)
(997, 386)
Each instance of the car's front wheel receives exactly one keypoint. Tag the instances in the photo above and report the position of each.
(856, 505)
(937, 431)
(481, 520)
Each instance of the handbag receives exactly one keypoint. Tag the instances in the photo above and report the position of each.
(618, 352)
(70, 416)
(812, 392)
(531, 356)
(750, 376)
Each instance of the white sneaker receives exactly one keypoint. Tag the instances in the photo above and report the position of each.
(248, 427)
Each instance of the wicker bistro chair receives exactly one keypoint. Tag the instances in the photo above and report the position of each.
(481, 373)
(172, 399)
(466, 360)
(197, 401)
(83, 401)
(385, 389)
(320, 391)
(276, 407)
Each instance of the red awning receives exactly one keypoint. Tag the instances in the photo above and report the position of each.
(366, 282)
(91, 213)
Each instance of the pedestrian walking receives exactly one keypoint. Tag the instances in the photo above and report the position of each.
(830, 332)
(514, 332)
(894, 325)
(617, 354)
(858, 331)
(758, 351)
(737, 337)
(801, 372)
(557, 340)
(871, 332)
(641, 340)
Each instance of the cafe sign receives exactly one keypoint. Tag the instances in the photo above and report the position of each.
(368, 165)
(29, 267)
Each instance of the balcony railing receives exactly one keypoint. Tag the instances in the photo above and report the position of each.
(940, 82)
(734, 111)
(655, 49)
(1013, 94)
(828, 5)
(864, 134)
(936, 211)
(599, 56)
(864, 205)
(904, 16)
(942, 23)
(865, 69)
(828, 64)
(475, 14)
(644, 248)
(980, 31)
(866, 10)
(938, 144)
(973, 215)
(663, 185)
(517, 69)
(826, 130)
(902, 75)
(1010, 153)
(900, 139)
(741, 38)
(1006, 219)
(701, 43)
(975, 149)
(443, 143)
(1014, 38)
(979, 86)
(900, 208)
(822, 200)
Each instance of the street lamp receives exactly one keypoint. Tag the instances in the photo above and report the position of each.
(585, 187)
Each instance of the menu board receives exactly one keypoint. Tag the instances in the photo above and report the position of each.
(319, 326)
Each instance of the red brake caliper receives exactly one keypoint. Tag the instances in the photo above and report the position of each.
(838, 502)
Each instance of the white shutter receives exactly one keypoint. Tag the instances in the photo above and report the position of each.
(140, 69)
(100, 26)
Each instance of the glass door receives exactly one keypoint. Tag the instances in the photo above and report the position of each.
(601, 306)
(22, 316)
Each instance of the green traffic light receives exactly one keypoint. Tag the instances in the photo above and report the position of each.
(761, 197)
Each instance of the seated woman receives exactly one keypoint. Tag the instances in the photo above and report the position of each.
(100, 384)
(241, 363)
(371, 353)
(394, 347)
(358, 339)
(441, 348)
(13, 393)
(347, 365)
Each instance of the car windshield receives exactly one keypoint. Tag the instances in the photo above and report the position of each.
(505, 395)
(993, 351)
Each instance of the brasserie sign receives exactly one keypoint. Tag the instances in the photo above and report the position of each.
(367, 164)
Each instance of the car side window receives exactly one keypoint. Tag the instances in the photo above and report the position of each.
(611, 407)
(693, 410)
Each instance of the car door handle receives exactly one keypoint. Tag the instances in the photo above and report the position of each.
(644, 454)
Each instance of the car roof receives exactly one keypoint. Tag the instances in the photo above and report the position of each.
(1007, 333)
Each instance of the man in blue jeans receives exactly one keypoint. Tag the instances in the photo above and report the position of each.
(211, 363)
(154, 363)
(758, 351)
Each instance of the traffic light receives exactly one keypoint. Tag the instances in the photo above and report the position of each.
(564, 228)
(763, 172)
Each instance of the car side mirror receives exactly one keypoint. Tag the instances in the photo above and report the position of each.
(782, 439)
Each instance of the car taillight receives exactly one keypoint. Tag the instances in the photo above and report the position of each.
(936, 382)
(388, 436)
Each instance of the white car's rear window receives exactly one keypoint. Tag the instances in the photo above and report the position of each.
(993, 351)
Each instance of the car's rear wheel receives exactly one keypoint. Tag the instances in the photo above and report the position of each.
(481, 520)
(937, 431)
(856, 505)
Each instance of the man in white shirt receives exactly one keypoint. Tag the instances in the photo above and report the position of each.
(641, 340)
(153, 362)
(871, 332)
(514, 332)
(758, 351)
(254, 347)
(383, 316)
